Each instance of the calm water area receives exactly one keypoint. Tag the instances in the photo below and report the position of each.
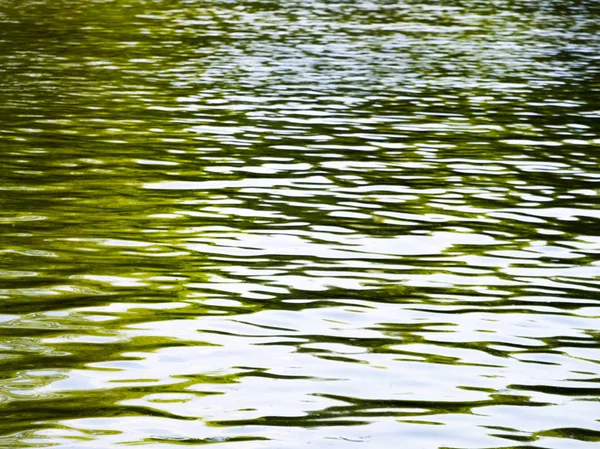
(283, 224)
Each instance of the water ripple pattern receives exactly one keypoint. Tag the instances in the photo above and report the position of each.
(282, 223)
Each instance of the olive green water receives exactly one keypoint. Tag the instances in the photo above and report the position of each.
(295, 223)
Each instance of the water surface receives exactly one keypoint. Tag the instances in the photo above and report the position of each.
(287, 223)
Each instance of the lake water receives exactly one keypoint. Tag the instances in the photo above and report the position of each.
(299, 223)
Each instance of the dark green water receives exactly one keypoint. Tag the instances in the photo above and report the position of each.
(294, 223)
